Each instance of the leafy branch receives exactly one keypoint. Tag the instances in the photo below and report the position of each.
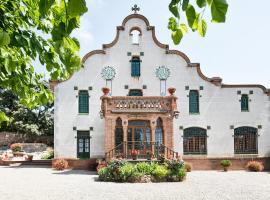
(195, 20)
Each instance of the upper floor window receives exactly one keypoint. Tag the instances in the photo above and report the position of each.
(135, 92)
(135, 67)
(83, 101)
(244, 102)
(193, 101)
(135, 33)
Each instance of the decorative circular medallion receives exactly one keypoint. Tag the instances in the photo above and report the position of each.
(108, 73)
(163, 72)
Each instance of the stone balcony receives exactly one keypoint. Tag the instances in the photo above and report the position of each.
(138, 104)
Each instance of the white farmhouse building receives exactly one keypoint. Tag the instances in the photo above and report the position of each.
(198, 116)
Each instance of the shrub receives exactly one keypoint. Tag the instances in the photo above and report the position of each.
(182, 174)
(16, 147)
(160, 173)
(188, 167)
(60, 164)
(174, 166)
(127, 171)
(104, 174)
(145, 168)
(48, 155)
(254, 166)
(225, 163)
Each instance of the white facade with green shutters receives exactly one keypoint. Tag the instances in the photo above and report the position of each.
(215, 120)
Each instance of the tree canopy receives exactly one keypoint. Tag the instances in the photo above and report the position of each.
(38, 121)
(37, 30)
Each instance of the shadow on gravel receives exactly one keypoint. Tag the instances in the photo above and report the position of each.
(74, 172)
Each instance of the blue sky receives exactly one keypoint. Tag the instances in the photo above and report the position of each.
(237, 51)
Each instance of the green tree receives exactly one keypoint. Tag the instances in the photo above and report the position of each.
(37, 30)
(38, 121)
(194, 18)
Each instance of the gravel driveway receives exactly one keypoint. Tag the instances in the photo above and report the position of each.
(24, 183)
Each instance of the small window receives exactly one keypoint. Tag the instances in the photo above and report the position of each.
(135, 92)
(244, 102)
(135, 36)
(83, 101)
(193, 101)
(135, 67)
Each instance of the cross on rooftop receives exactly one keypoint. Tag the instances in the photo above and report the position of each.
(135, 8)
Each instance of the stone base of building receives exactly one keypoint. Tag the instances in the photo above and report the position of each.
(205, 163)
(87, 164)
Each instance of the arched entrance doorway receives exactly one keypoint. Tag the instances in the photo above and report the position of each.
(139, 136)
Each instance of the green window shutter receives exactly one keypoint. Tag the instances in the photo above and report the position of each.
(244, 102)
(135, 67)
(83, 101)
(193, 101)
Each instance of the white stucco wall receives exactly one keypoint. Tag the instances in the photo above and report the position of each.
(219, 107)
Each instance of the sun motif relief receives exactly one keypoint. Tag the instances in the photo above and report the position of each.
(163, 72)
(108, 73)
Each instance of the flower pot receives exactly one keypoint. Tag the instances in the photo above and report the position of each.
(225, 169)
(171, 90)
(105, 90)
(29, 157)
(134, 157)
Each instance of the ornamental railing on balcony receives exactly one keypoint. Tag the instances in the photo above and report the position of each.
(144, 150)
(138, 104)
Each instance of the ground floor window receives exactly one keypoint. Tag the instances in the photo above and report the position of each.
(195, 141)
(245, 140)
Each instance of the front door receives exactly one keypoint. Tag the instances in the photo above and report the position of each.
(83, 144)
(139, 136)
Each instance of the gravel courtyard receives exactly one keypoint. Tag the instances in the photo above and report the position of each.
(24, 183)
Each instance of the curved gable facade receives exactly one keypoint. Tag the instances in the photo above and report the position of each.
(200, 118)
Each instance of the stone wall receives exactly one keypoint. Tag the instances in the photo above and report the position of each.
(7, 138)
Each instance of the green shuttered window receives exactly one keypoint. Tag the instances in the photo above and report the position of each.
(135, 67)
(244, 102)
(83, 101)
(193, 101)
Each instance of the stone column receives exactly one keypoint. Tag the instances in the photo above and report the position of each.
(125, 133)
(153, 138)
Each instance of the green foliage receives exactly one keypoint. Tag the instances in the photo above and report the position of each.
(182, 173)
(37, 30)
(127, 171)
(225, 163)
(48, 155)
(38, 121)
(160, 173)
(145, 168)
(121, 171)
(195, 19)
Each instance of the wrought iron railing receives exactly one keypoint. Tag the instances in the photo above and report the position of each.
(144, 150)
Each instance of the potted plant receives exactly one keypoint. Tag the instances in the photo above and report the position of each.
(134, 154)
(105, 90)
(225, 164)
(29, 157)
(16, 149)
(171, 90)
